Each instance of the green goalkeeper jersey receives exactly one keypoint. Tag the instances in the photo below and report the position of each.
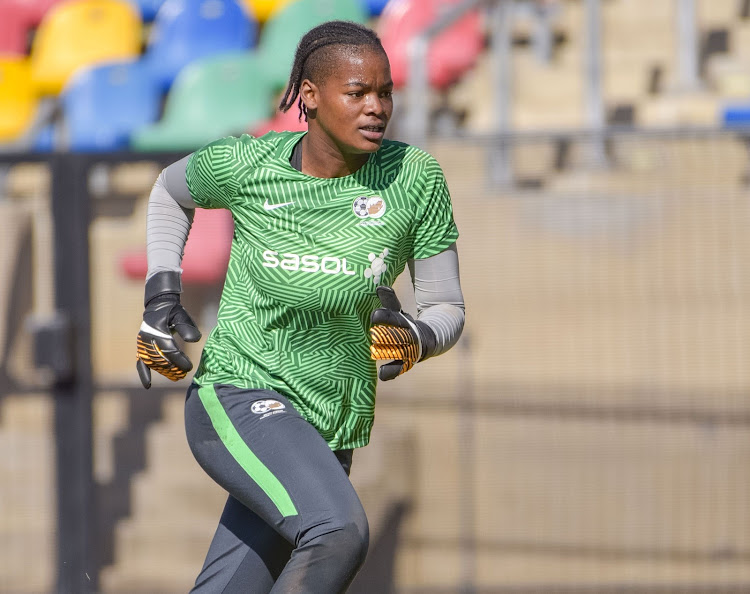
(306, 258)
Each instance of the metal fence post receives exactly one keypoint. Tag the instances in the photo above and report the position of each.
(687, 46)
(500, 153)
(594, 96)
(76, 567)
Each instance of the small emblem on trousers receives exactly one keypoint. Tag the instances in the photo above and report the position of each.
(261, 407)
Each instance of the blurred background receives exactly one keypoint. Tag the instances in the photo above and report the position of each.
(591, 431)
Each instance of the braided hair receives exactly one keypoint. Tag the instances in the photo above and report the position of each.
(309, 63)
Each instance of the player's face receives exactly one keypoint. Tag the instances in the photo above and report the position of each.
(354, 103)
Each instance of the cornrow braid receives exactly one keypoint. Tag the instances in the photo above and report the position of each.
(340, 33)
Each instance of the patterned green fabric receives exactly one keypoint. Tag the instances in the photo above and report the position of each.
(306, 257)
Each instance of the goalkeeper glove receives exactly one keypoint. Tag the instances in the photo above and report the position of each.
(163, 317)
(396, 335)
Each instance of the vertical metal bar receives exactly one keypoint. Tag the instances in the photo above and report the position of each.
(417, 93)
(76, 570)
(594, 96)
(688, 76)
(467, 429)
(500, 154)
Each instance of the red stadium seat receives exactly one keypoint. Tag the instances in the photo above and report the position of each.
(451, 54)
(13, 28)
(206, 252)
(37, 9)
(17, 19)
(281, 122)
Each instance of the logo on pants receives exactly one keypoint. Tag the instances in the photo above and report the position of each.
(261, 407)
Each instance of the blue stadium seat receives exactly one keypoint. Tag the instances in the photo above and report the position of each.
(736, 116)
(374, 7)
(186, 30)
(103, 105)
(148, 8)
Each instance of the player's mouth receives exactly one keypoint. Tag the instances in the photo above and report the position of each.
(374, 132)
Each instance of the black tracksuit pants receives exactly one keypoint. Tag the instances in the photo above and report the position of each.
(292, 522)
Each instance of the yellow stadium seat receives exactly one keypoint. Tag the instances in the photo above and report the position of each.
(17, 97)
(80, 33)
(262, 9)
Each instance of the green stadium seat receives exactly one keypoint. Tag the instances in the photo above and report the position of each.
(210, 99)
(283, 30)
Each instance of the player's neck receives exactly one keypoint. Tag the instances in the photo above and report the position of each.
(321, 158)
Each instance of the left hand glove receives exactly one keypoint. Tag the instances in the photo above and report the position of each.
(396, 335)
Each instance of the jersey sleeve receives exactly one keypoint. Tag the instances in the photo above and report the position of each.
(212, 172)
(435, 228)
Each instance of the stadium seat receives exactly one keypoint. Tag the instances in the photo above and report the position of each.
(375, 7)
(14, 28)
(210, 98)
(284, 28)
(81, 33)
(148, 8)
(102, 105)
(263, 9)
(280, 122)
(17, 19)
(736, 116)
(17, 97)
(188, 30)
(206, 252)
(36, 10)
(450, 55)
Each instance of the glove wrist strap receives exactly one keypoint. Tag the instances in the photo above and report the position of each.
(428, 339)
(168, 281)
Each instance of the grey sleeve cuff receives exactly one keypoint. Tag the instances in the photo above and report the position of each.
(168, 220)
(440, 302)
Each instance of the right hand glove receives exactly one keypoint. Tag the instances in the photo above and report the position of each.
(164, 315)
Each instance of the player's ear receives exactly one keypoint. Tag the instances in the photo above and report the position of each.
(309, 94)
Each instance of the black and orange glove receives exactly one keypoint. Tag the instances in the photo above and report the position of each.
(396, 335)
(164, 316)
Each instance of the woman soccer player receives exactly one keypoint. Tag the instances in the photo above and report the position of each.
(325, 220)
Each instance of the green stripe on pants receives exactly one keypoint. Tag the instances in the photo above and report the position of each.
(244, 456)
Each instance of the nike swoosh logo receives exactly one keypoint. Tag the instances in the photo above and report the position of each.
(275, 206)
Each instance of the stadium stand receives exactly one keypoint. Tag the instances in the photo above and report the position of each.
(185, 31)
(81, 33)
(104, 104)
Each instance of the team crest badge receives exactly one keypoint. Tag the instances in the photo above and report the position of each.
(372, 207)
(261, 407)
